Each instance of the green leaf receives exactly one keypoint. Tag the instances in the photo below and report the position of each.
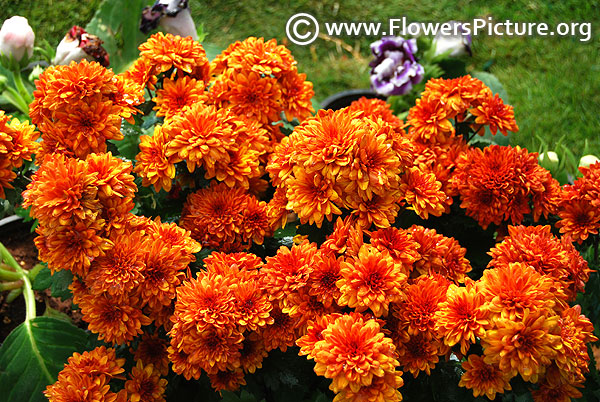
(32, 356)
(58, 283)
(43, 280)
(116, 22)
(492, 82)
(128, 147)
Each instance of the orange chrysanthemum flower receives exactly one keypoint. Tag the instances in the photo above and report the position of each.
(81, 388)
(225, 218)
(153, 350)
(439, 255)
(429, 120)
(175, 95)
(288, 271)
(115, 321)
(525, 346)
(323, 278)
(145, 384)
(282, 333)
(73, 247)
(353, 352)
(512, 290)
(119, 271)
(376, 108)
(419, 353)
(153, 165)
(579, 219)
(255, 54)
(461, 318)
(422, 299)
(538, 247)
(227, 380)
(383, 388)
(499, 183)
(252, 305)
(99, 362)
(17, 143)
(576, 331)
(494, 113)
(61, 190)
(313, 197)
(143, 72)
(166, 51)
(399, 244)
(458, 93)
(249, 95)
(372, 281)
(252, 353)
(423, 192)
(484, 379)
(296, 95)
(554, 388)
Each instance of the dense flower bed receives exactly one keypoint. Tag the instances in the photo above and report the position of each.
(366, 289)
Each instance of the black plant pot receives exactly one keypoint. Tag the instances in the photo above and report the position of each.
(345, 98)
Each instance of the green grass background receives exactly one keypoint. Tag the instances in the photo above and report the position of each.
(553, 83)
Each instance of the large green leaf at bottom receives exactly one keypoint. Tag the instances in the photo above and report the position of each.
(32, 356)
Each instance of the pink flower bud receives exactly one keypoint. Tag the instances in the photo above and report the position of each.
(16, 38)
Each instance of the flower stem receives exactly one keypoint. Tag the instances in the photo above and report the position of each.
(11, 285)
(8, 259)
(13, 294)
(25, 95)
(7, 275)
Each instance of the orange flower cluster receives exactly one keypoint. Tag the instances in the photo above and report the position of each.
(578, 205)
(126, 267)
(224, 218)
(354, 353)
(80, 106)
(259, 80)
(17, 144)
(499, 184)
(312, 285)
(90, 376)
(228, 145)
(445, 100)
(438, 119)
(347, 160)
(523, 322)
(221, 321)
(538, 247)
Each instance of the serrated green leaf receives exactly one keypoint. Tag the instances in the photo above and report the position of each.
(60, 284)
(43, 280)
(32, 356)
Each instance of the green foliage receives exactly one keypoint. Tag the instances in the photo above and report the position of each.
(116, 23)
(32, 356)
(57, 283)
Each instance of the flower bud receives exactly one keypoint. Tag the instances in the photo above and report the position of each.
(588, 160)
(548, 160)
(16, 38)
(456, 44)
(78, 45)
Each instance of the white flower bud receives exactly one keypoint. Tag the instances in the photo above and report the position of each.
(588, 160)
(16, 38)
(456, 45)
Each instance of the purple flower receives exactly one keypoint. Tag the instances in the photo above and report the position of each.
(395, 69)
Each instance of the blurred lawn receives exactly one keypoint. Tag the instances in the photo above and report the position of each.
(553, 83)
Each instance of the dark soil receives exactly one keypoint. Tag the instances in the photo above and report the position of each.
(18, 239)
